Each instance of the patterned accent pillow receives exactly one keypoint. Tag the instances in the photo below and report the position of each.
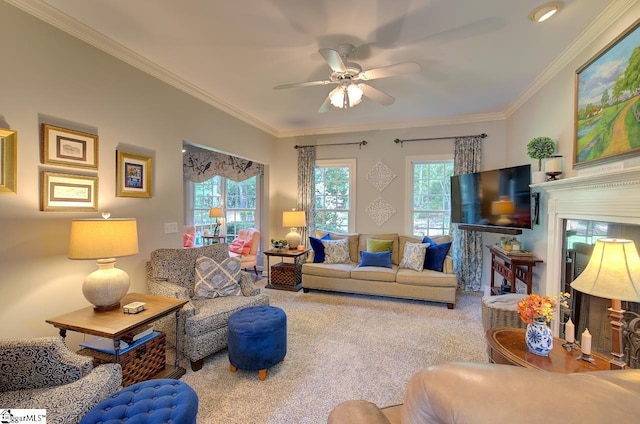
(215, 279)
(336, 251)
(239, 246)
(188, 240)
(413, 256)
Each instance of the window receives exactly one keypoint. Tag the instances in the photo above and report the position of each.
(335, 195)
(430, 213)
(239, 199)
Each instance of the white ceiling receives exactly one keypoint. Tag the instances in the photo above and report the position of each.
(477, 58)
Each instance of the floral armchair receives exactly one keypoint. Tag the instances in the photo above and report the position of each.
(202, 323)
(42, 373)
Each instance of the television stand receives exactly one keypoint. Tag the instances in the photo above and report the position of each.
(512, 268)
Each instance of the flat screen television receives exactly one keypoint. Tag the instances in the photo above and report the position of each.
(496, 199)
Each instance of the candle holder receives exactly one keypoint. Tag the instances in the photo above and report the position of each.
(569, 346)
(587, 358)
(552, 176)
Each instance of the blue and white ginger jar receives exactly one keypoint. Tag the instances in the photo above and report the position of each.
(539, 338)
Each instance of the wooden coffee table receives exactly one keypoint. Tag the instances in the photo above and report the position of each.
(507, 346)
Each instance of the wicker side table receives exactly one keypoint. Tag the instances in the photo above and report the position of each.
(500, 311)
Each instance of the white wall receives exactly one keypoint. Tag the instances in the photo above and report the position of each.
(49, 76)
(550, 112)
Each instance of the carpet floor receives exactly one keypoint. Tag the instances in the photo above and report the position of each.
(340, 347)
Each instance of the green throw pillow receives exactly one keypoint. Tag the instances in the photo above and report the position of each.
(374, 245)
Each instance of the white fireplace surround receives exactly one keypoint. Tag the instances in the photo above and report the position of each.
(606, 197)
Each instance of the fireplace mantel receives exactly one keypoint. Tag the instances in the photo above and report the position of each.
(605, 197)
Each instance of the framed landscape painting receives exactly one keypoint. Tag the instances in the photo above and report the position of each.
(133, 175)
(607, 110)
(64, 147)
(67, 192)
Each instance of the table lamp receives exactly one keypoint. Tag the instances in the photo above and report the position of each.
(503, 207)
(100, 239)
(216, 213)
(613, 272)
(293, 219)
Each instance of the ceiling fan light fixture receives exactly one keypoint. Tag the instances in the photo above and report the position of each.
(346, 96)
(545, 11)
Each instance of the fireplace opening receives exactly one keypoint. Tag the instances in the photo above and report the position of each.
(588, 311)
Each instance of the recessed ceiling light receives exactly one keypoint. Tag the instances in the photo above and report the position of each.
(545, 11)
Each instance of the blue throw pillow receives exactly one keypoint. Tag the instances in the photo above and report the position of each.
(318, 248)
(436, 254)
(382, 259)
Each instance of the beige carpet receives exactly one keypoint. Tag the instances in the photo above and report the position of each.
(340, 347)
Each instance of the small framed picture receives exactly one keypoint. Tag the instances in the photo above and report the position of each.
(67, 192)
(64, 147)
(133, 175)
(8, 160)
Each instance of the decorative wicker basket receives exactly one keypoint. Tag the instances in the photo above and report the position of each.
(139, 364)
(286, 274)
(501, 314)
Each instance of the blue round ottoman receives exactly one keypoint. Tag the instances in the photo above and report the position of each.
(152, 401)
(257, 338)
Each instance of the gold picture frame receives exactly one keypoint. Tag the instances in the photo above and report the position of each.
(133, 175)
(65, 147)
(68, 192)
(8, 161)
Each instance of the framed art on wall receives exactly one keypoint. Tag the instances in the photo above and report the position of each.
(133, 175)
(67, 192)
(607, 110)
(8, 161)
(64, 147)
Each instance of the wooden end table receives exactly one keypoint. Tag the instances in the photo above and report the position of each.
(115, 324)
(507, 346)
(294, 283)
(513, 267)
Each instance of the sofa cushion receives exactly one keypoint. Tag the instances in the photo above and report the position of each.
(395, 254)
(436, 254)
(375, 273)
(354, 252)
(375, 245)
(426, 277)
(215, 279)
(413, 256)
(336, 251)
(329, 270)
(318, 248)
(382, 259)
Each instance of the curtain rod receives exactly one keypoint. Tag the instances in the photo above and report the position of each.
(360, 143)
(397, 140)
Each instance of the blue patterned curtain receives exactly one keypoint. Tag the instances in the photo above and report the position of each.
(467, 245)
(307, 190)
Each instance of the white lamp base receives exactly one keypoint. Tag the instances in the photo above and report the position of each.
(293, 239)
(105, 287)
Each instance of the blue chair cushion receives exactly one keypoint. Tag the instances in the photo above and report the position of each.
(257, 337)
(152, 401)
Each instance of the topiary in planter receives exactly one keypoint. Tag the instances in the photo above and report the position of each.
(540, 148)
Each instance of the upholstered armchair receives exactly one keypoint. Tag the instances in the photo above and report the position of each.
(249, 257)
(202, 323)
(42, 373)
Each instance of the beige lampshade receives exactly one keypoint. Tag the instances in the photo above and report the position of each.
(613, 271)
(216, 213)
(504, 206)
(103, 238)
(293, 219)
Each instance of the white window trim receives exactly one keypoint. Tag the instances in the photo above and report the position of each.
(351, 163)
(409, 161)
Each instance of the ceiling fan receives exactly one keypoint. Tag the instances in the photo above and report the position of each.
(350, 79)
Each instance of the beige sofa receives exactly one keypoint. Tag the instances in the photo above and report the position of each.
(503, 394)
(396, 282)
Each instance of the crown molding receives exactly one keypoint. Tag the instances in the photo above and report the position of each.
(611, 13)
(54, 17)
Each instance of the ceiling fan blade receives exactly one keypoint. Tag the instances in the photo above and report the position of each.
(333, 60)
(303, 84)
(376, 95)
(325, 106)
(389, 71)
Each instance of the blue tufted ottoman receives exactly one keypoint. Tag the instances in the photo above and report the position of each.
(151, 401)
(257, 338)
